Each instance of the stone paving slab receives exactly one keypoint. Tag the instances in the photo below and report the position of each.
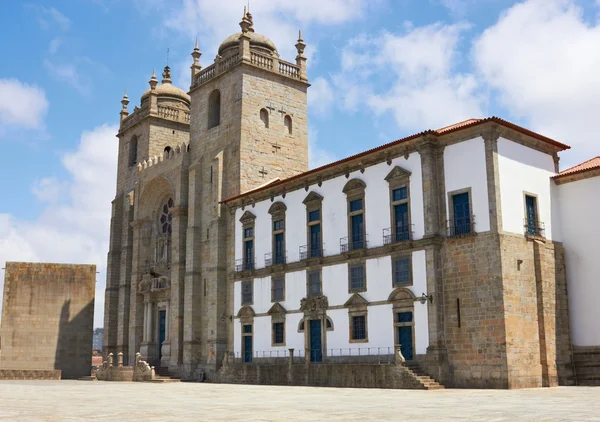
(122, 401)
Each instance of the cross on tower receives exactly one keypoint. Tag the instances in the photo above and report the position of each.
(270, 107)
(263, 172)
(276, 147)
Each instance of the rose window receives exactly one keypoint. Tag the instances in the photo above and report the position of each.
(166, 218)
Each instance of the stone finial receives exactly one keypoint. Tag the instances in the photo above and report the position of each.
(300, 45)
(125, 101)
(120, 359)
(246, 24)
(196, 54)
(166, 75)
(153, 81)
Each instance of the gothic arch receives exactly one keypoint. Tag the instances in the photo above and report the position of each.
(153, 196)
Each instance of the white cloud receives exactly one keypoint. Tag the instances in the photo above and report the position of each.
(411, 75)
(21, 105)
(541, 57)
(320, 96)
(68, 73)
(54, 45)
(49, 16)
(74, 229)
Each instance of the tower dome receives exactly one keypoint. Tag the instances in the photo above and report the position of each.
(166, 91)
(258, 42)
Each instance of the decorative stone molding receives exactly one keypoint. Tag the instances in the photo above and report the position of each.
(356, 301)
(247, 218)
(246, 315)
(398, 173)
(353, 186)
(402, 295)
(314, 304)
(312, 198)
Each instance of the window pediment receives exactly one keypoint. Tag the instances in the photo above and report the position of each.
(246, 312)
(247, 218)
(356, 301)
(354, 185)
(312, 197)
(402, 294)
(277, 309)
(277, 207)
(398, 173)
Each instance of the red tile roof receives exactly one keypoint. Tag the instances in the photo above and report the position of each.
(591, 164)
(442, 131)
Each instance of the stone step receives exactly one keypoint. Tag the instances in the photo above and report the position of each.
(88, 378)
(163, 380)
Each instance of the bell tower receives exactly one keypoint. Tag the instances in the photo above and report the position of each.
(248, 127)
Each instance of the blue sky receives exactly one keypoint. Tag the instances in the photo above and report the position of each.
(380, 69)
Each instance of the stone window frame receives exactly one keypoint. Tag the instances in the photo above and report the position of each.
(214, 103)
(451, 196)
(403, 300)
(395, 257)
(245, 283)
(328, 324)
(288, 123)
(308, 273)
(354, 263)
(264, 117)
(399, 178)
(273, 278)
(278, 316)
(278, 213)
(355, 189)
(313, 202)
(248, 221)
(357, 306)
(133, 151)
(537, 213)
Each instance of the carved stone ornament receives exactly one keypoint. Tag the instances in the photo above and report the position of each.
(354, 185)
(314, 304)
(146, 233)
(397, 173)
(247, 218)
(277, 207)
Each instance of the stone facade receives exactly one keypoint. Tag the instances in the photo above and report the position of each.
(47, 319)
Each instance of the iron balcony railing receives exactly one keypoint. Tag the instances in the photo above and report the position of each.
(275, 260)
(534, 228)
(307, 253)
(362, 355)
(402, 234)
(241, 265)
(354, 243)
(461, 226)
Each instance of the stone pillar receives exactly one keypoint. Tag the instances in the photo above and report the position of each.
(176, 331)
(125, 276)
(145, 336)
(245, 48)
(437, 353)
(136, 310)
(111, 294)
(490, 139)
(434, 205)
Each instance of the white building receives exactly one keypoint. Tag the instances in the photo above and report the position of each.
(448, 243)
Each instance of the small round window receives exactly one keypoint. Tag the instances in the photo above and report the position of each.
(166, 218)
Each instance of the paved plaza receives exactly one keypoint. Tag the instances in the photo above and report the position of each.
(79, 400)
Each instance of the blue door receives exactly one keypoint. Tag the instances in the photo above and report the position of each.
(531, 207)
(316, 354)
(247, 340)
(462, 213)
(405, 334)
(357, 232)
(162, 330)
(315, 241)
(401, 218)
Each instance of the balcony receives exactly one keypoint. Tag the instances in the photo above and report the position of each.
(534, 228)
(306, 253)
(355, 243)
(461, 226)
(391, 236)
(279, 259)
(241, 265)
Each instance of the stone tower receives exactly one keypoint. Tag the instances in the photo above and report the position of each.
(248, 127)
(150, 132)
(243, 124)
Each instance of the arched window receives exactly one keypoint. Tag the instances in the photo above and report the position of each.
(133, 146)
(287, 122)
(166, 218)
(264, 116)
(168, 149)
(214, 109)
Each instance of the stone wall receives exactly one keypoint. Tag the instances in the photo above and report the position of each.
(47, 317)
(29, 374)
(473, 312)
(331, 375)
(587, 365)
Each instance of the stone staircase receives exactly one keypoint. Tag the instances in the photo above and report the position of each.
(163, 375)
(420, 375)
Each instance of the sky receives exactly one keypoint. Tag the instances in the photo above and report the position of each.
(380, 70)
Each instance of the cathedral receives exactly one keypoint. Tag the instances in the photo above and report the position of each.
(229, 258)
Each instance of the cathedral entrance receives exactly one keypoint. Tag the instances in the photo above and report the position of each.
(162, 330)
